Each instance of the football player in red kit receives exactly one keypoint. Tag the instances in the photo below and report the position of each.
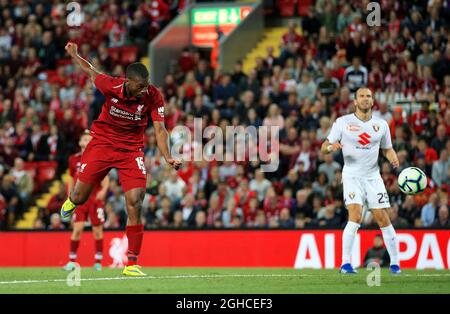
(118, 141)
(92, 209)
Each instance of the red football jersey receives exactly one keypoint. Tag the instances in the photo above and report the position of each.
(75, 166)
(123, 120)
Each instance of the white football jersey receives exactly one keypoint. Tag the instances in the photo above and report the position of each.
(361, 142)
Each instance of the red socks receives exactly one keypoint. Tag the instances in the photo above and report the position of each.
(98, 250)
(73, 250)
(74, 244)
(134, 235)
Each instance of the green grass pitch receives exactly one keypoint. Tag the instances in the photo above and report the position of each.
(221, 281)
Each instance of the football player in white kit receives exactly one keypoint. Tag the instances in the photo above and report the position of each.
(360, 136)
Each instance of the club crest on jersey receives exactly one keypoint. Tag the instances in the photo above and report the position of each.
(376, 127)
(137, 115)
(161, 112)
(82, 168)
(353, 127)
(351, 195)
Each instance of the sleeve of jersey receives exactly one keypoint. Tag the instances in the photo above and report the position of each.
(157, 106)
(386, 141)
(106, 84)
(335, 133)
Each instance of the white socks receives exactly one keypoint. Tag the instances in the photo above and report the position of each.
(348, 238)
(391, 243)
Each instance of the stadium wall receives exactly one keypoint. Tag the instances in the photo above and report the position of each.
(419, 249)
(242, 39)
(168, 45)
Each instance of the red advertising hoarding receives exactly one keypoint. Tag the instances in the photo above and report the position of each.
(276, 248)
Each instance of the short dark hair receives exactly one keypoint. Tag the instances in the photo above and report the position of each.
(137, 70)
(361, 87)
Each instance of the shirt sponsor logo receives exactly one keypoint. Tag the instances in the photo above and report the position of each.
(353, 127)
(364, 139)
(115, 100)
(116, 112)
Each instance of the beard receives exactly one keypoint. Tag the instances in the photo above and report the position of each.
(364, 109)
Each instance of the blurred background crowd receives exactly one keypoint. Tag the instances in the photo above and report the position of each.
(46, 103)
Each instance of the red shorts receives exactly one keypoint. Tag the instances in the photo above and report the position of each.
(93, 209)
(100, 157)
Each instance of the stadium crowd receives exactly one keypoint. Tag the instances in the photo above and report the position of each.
(302, 90)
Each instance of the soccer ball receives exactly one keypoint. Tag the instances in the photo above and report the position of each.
(412, 180)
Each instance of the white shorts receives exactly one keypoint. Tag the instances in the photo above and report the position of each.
(370, 192)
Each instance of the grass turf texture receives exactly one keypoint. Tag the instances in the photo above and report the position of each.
(221, 281)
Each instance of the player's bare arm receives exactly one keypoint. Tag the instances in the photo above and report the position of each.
(162, 141)
(328, 148)
(391, 155)
(70, 185)
(72, 50)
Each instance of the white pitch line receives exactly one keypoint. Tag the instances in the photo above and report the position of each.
(155, 277)
(198, 277)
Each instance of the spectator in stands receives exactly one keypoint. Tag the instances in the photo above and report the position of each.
(328, 85)
(117, 202)
(260, 184)
(12, 199)
(310, 23)
(321, 184)
(356, 75)
(439, 172)
(425, 59)
(55, 203)
(292, 37)
(224, 91)
(442, 220)
(377, 254)
(428, 213)
(425, 152)
(285, 220)
(175, 186)
(345, 17)
(3, 213)
(274, 117)
(306, 88)
(189, 210)
(200, 220)
(397, 222)
(439, 141)
(23, 180)
(165, 215)
(329, 167)
(55, 222)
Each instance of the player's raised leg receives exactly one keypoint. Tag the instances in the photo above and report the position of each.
(134, 230)
(389, 236)
(79, 195)
(349, 236)
(74, 244)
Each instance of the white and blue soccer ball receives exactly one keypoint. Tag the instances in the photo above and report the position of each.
(412, 180)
